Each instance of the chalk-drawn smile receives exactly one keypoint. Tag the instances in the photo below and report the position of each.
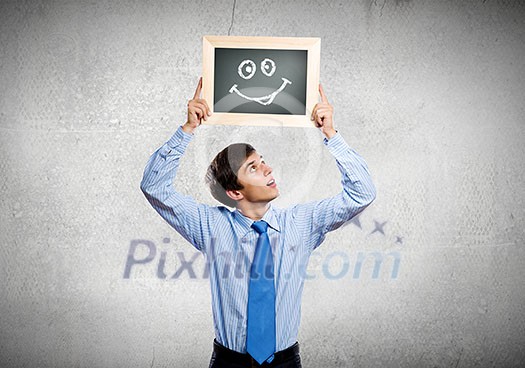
(246, 70)
(264, 100)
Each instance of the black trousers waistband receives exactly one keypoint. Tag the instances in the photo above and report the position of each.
(235, 357)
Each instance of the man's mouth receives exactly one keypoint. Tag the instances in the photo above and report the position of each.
(271, 183)
(264, 100)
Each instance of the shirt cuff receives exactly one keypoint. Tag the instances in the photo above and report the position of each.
(180, 139)
(336, 145)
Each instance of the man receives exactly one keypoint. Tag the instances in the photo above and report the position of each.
(256, 309)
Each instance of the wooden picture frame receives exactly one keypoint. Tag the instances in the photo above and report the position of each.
(290, 111)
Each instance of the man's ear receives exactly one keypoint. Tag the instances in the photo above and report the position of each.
(235, 195)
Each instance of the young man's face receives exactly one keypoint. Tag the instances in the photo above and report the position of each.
(257, 179)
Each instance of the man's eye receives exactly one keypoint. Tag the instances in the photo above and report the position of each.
(253, 168)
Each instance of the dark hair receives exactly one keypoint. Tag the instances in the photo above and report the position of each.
(222, 172)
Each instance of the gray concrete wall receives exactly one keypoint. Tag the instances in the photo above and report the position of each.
(429, 92)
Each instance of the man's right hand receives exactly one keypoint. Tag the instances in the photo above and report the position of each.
(197, 110)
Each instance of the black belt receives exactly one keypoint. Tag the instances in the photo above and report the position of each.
(233, 356)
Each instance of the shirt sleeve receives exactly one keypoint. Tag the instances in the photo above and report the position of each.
(315, 219)
(191, 219)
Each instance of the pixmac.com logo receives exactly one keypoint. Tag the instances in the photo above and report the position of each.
(146, 257)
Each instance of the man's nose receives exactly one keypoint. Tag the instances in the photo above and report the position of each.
(267, 170)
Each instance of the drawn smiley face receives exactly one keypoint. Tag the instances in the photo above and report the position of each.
(250, 81)
(247, 69)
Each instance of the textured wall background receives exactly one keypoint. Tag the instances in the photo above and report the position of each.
(429, 92)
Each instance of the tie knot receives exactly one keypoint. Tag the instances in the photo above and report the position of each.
(260, 226)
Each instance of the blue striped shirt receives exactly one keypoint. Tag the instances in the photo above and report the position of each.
(228, 242)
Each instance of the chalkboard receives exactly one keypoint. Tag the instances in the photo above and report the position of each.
(262, 81)
(269, 81)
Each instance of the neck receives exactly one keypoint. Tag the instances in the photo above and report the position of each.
(254, 211)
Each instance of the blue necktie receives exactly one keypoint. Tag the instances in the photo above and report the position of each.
(260, 339)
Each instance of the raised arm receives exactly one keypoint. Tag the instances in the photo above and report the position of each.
(191, 219)
(315, 219)
(198, 110)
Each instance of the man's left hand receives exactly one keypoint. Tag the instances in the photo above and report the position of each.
(322, 115)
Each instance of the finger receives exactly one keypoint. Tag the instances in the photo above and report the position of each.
(318, 106)
(200, 104)
(196, 108)
(198, 90)
(319, 121)
(314, 112)
(199, 110)
(194, 118)
(208, 110)
(323, 96)
(318, 118)
(320, 110)
(323, 112)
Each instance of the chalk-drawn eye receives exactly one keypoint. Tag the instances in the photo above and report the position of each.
(246, 69)
(268, 67)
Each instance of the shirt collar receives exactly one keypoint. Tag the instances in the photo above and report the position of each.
(271, 218)
(245, 223)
